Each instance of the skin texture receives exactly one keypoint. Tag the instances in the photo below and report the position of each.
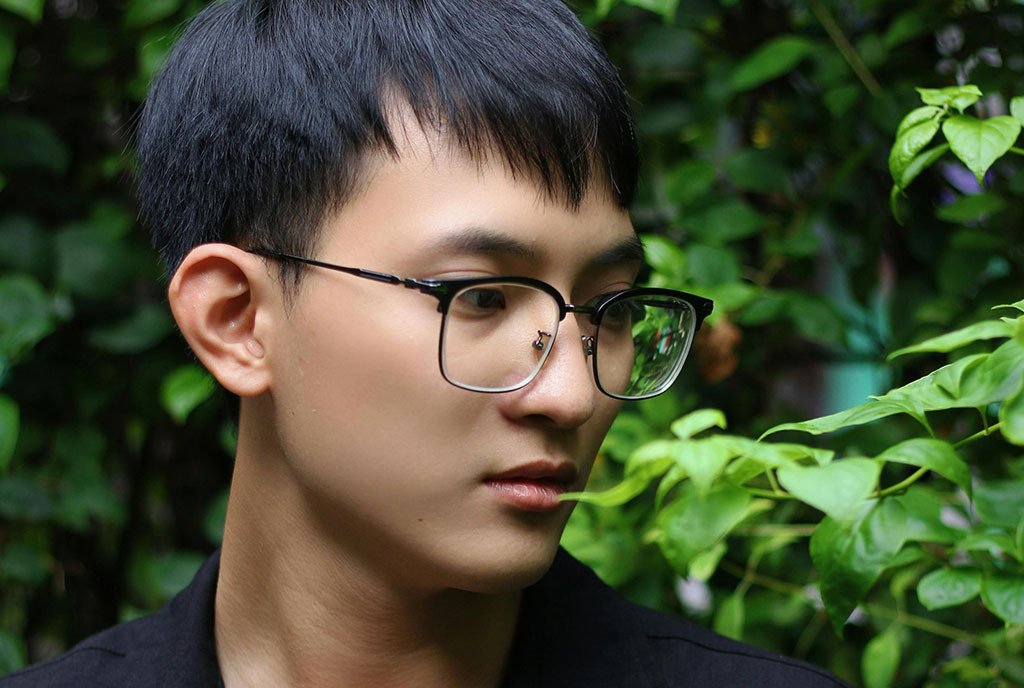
(363, 545)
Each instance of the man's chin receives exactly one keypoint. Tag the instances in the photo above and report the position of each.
(510, 573)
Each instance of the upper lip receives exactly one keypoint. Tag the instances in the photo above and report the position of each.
(558, 471)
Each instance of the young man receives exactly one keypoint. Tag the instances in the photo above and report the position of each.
(398, 233)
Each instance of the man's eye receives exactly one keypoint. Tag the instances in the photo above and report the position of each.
(482, 299)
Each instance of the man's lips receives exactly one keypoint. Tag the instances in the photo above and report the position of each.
(534, 486)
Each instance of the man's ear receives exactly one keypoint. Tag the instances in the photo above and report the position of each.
(222, 298)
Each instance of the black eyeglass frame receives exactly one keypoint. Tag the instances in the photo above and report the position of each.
(445, 290)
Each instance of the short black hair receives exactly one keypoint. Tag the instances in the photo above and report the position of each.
(261, 120)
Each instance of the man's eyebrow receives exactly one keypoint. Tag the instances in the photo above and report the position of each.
(478, 240)
(629, 250)
(483, 241)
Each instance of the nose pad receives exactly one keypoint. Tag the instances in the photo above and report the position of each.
(538, 343)
(588, 345)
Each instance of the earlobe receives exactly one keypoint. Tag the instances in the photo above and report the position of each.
(220, 296)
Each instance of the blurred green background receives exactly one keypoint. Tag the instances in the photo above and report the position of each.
(765, 128)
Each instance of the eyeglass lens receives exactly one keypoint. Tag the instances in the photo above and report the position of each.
(497, 336)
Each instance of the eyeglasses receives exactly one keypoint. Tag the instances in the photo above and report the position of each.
(497, 332)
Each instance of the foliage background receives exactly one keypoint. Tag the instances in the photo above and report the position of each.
(766, 179)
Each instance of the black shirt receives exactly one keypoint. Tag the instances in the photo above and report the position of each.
(573, 631)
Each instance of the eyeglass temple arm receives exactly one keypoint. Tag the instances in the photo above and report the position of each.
(421, 285)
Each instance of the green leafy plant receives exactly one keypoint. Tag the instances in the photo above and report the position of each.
(978, 143)
(712, 488)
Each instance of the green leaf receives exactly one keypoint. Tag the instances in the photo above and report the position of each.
(153, 50)
(665, 257)
(697, 422)
(992, 379)
(881, 659)
(911, 141)
(12, 653)
(713, 265)
(998, 502)
(144, 12)
(979, 143)
(1011, 417)
(850, 561)
(29, 9)
(1019, 305)
(704, 565)
(92, 265)
(703, 460)
(995, 544)
(23, 564)
(958, 97)
(924, 516)
(986, 329)
(729, 617)
(10, 424)
(184, 389)
(973, 208)
(25, 246)
(917, 116)
(692, 524)
(26, 314)
(160, 577)
(920, 163)
(606, 540)
(643, 465)
(724, 222)
(839, 489)
(935, 455)
(617, 495)
(1004, 596)
(864, 413)
(27, 143)
(665, 8)
(689, 181)
(7, 54)
(771, 60)
(755, 169)
(655, 452)
(22, 499)
(675, 475)
(1017, 108)
(948, 587)
(904, 27)
(782, 453)
(141, 331)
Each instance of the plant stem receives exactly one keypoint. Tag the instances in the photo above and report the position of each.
(847, 50)
(769, 494)
(903, 484)
(1018, 151)
(923, 624)
(920, 623)
(977, 436)
(765, 529)
(773, 481)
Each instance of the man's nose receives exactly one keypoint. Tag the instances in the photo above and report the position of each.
(564, 391)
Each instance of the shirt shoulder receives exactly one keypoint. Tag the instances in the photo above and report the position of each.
(98, 661)
(573, 626)
(688, 654)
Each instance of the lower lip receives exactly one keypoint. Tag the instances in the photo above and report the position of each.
(529, 495)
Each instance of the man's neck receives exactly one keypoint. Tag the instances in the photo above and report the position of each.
(293, 608)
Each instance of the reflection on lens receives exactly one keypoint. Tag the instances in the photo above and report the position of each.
(496, 336)
(642, 342)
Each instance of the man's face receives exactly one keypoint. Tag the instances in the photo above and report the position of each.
(429, 484)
